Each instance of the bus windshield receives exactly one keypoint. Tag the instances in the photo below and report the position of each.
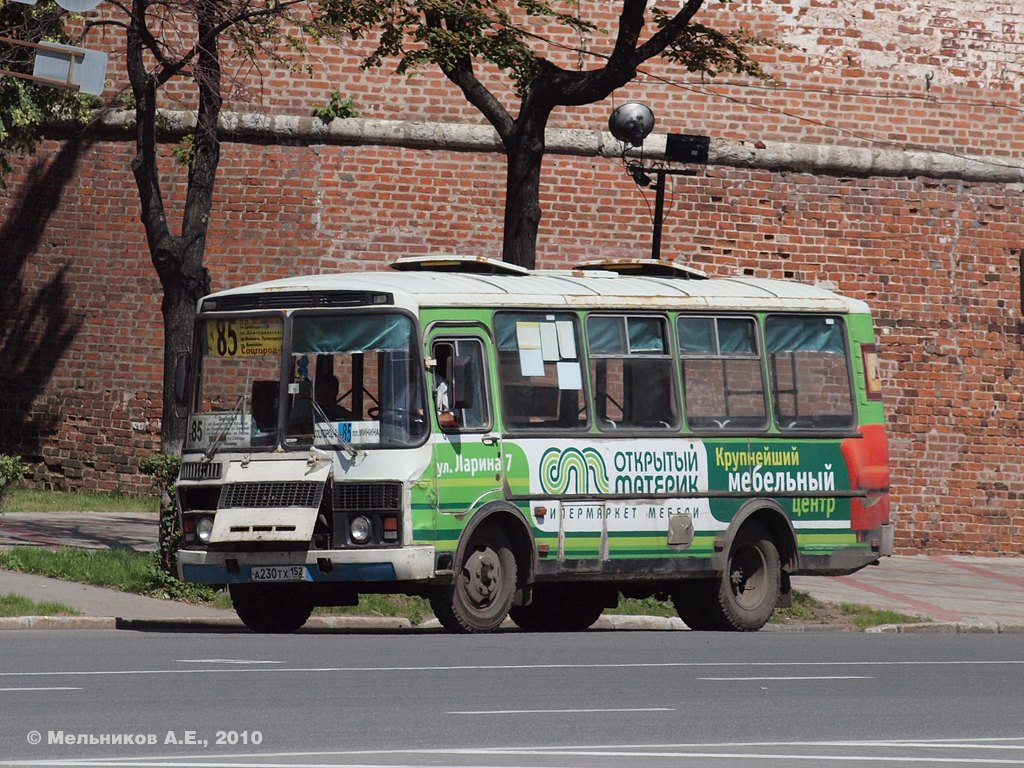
(355, 380)
(352, 381)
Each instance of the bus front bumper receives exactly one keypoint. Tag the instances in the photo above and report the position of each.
(336, 565)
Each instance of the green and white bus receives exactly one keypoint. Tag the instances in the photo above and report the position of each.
(530, 443)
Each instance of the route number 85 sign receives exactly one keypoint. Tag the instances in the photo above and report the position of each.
(244, 337)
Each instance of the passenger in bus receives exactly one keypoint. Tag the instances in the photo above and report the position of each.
(445, 415)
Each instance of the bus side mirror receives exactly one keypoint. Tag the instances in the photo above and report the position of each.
(182, 369)
(462, 382)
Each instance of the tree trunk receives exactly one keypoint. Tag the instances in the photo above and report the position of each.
(186, 283)
(178, 260)
(525, 152)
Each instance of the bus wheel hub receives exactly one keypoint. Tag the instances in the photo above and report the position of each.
(483, 569)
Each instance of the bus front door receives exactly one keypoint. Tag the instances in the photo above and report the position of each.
(468, 461)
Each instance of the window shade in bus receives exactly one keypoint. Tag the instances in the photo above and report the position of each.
(804, 334)
(697, 335)
(334, 333)
(736, 336)
(626, 335)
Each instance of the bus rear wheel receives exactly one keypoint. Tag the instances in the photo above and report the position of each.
(558, 608)
(271, 608)
(480, 596)
(748, 591)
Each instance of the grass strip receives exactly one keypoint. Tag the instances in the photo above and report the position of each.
(28, 500)
(12, 605)
(122, 569)
(807, 609)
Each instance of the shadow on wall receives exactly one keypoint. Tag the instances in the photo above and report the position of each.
(36, 329)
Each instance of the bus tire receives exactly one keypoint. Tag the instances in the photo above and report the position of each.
(749, 589)
(558, 608)
(271, 608)
(479, 598)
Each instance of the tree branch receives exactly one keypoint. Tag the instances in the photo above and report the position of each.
(664, 37)
(463, 75)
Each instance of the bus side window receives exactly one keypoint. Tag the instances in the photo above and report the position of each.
(459, 385)
(723, 385)
(810, 372)
(540, 369)
(631, 370)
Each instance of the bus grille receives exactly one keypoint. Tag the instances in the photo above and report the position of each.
(201, 470)
(367, 497)
(262, 495)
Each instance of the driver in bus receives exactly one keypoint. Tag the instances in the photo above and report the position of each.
(326, 393)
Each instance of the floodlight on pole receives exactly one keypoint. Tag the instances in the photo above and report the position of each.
(631, 124)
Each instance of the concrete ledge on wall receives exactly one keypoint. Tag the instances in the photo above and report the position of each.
(826, 159)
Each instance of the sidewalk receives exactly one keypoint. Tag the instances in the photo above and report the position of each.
(957, 593)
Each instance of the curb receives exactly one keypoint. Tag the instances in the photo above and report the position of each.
(57, 622)
(948, 628)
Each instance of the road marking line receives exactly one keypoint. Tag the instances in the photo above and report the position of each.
(226, 661)
(558, 711)
(53, 688)
(684, 750)
(794, 677)
(521, 667)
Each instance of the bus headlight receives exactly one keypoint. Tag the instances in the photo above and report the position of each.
(360, 530)
(204, 529)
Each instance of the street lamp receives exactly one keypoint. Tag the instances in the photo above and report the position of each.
(631, 124)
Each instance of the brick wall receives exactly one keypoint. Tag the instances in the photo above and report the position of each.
(939, 260)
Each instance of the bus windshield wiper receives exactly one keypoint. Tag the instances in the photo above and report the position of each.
(226, 422)
(351, 450)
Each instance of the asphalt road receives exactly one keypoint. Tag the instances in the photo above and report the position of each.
(510, 699)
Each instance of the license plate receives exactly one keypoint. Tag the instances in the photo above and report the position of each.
(278, 573)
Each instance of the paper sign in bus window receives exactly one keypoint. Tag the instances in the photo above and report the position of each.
(570, 375)
(531, 362)
(549, 341)
(566, 339)
(531, 357)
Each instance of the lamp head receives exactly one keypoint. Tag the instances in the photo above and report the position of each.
(631, 123)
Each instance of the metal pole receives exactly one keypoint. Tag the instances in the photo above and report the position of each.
(659, 213)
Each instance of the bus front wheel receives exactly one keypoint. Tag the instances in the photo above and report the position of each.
(748, 591)
(479, 598)
(271, 608)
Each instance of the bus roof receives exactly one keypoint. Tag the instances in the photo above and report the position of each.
(591, 289)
